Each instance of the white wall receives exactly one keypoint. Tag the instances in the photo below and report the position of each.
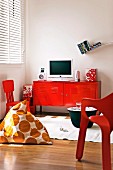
(55, 27)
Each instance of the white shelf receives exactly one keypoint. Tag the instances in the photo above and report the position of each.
(85, 47)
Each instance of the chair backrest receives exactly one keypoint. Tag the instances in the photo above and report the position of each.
(104, 105)
(8, 86)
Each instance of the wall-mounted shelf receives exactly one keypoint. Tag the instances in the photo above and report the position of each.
(85, 46)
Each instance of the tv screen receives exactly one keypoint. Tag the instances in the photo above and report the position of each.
(60, 68)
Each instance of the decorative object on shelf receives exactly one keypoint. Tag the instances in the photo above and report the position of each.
(77, 75)
(90, 74)
(85, 46)
(96, 45)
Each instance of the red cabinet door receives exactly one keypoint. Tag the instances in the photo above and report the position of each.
(70, 92)
(76, 91)
(47, 93)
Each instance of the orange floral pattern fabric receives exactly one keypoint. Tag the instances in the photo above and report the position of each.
(20, 126)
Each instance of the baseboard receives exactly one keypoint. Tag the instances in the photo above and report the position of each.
(51, 113)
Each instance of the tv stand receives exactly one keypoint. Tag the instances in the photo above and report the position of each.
(63, 93)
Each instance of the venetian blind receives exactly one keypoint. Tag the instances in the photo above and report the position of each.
(11, 31)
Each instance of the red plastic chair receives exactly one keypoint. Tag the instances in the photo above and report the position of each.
(8, 87)
(105, 122)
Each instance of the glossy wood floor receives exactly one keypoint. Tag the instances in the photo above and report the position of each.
(59, 156)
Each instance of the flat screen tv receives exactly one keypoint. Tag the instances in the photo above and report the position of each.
(60, 68)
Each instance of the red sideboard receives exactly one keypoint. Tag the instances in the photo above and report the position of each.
(63, 93)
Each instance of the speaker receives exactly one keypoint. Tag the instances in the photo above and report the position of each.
(41, 75)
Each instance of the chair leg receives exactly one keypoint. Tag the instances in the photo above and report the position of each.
(81, 139)
(7, 109)
(106, 152)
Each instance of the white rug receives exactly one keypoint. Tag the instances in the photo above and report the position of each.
(62, 128)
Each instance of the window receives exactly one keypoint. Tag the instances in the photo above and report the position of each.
(11, 31)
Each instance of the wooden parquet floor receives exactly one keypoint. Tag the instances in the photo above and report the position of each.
(59, 156)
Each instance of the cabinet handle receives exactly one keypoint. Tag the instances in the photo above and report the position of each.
(66, 95)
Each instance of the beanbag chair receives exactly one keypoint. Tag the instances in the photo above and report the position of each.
(20, 126)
